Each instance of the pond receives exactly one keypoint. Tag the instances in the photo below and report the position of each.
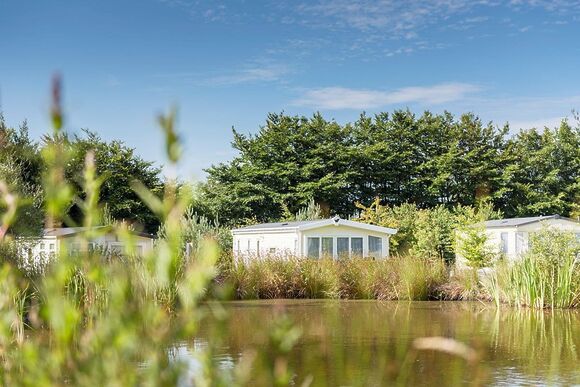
(372, 343)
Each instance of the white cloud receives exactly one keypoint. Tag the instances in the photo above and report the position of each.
(263, 73)
(550, 122)
(252, 72)
(337, 98)
(400, 17)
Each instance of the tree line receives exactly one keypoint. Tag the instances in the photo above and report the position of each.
(22, 168)
(428, 160)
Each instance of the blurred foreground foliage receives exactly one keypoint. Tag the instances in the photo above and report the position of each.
(88, 320)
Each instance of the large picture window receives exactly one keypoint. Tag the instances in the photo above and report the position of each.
(327, 248)
(313, 247)
(342, 247)
(356, 247)
(375, 247)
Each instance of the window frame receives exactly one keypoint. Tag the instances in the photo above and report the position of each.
(375, 254)
(324, 253)
(318, 239)
(362, 247)
(520, 242)
(504, 244)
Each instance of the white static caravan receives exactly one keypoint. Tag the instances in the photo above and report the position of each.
(510, 237)
(39, 251)
(336, 238)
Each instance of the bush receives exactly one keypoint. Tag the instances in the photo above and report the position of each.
(427, 233)
(547, 276)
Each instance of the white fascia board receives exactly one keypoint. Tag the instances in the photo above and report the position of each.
(314, 225)
(273, 230)
(349, 223)
(39, 238)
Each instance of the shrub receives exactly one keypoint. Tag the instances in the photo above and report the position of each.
(546, 276)
(471, 241)
(428, 233)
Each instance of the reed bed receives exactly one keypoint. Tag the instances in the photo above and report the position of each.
(547, 276)
(398, 278)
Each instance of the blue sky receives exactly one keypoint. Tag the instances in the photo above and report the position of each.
(227, 64)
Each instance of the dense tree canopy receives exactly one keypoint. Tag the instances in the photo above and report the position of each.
(543, 175)
(20, 168)
(427, 160)
(21, 165)
(119, 165)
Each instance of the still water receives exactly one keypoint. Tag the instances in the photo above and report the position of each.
(359, 343)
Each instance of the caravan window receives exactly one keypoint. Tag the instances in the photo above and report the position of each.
(313, 247)
(327, 248)
(503, 245)
(520, 243)
(375, 246)
(342, 247)
(356, 247)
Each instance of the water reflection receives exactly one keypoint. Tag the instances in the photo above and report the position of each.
(371, 343)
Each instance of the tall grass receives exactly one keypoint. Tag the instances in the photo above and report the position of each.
(89, 320)
(547, 276)
(398, 278)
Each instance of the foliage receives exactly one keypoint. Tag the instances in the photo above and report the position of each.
(20, 168)
(195, 229)
(428, 161)
(463, 285)
(429, 232)
(404, 278)
(420, 278)
(312, 211)
(289, 162)
(471, 238)
(547, 276)
(22, 165)
(119, 166)
(543, 172)
(98, 322)
(434, 232)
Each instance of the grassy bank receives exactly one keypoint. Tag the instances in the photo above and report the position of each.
(400, 278)
(546, 276)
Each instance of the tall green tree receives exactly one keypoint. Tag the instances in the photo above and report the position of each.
(119, 165)
(288, 162)
(430, 160)
(543, 174)
(20, 167)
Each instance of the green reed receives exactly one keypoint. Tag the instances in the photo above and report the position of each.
(547, 276)
(397, 278)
